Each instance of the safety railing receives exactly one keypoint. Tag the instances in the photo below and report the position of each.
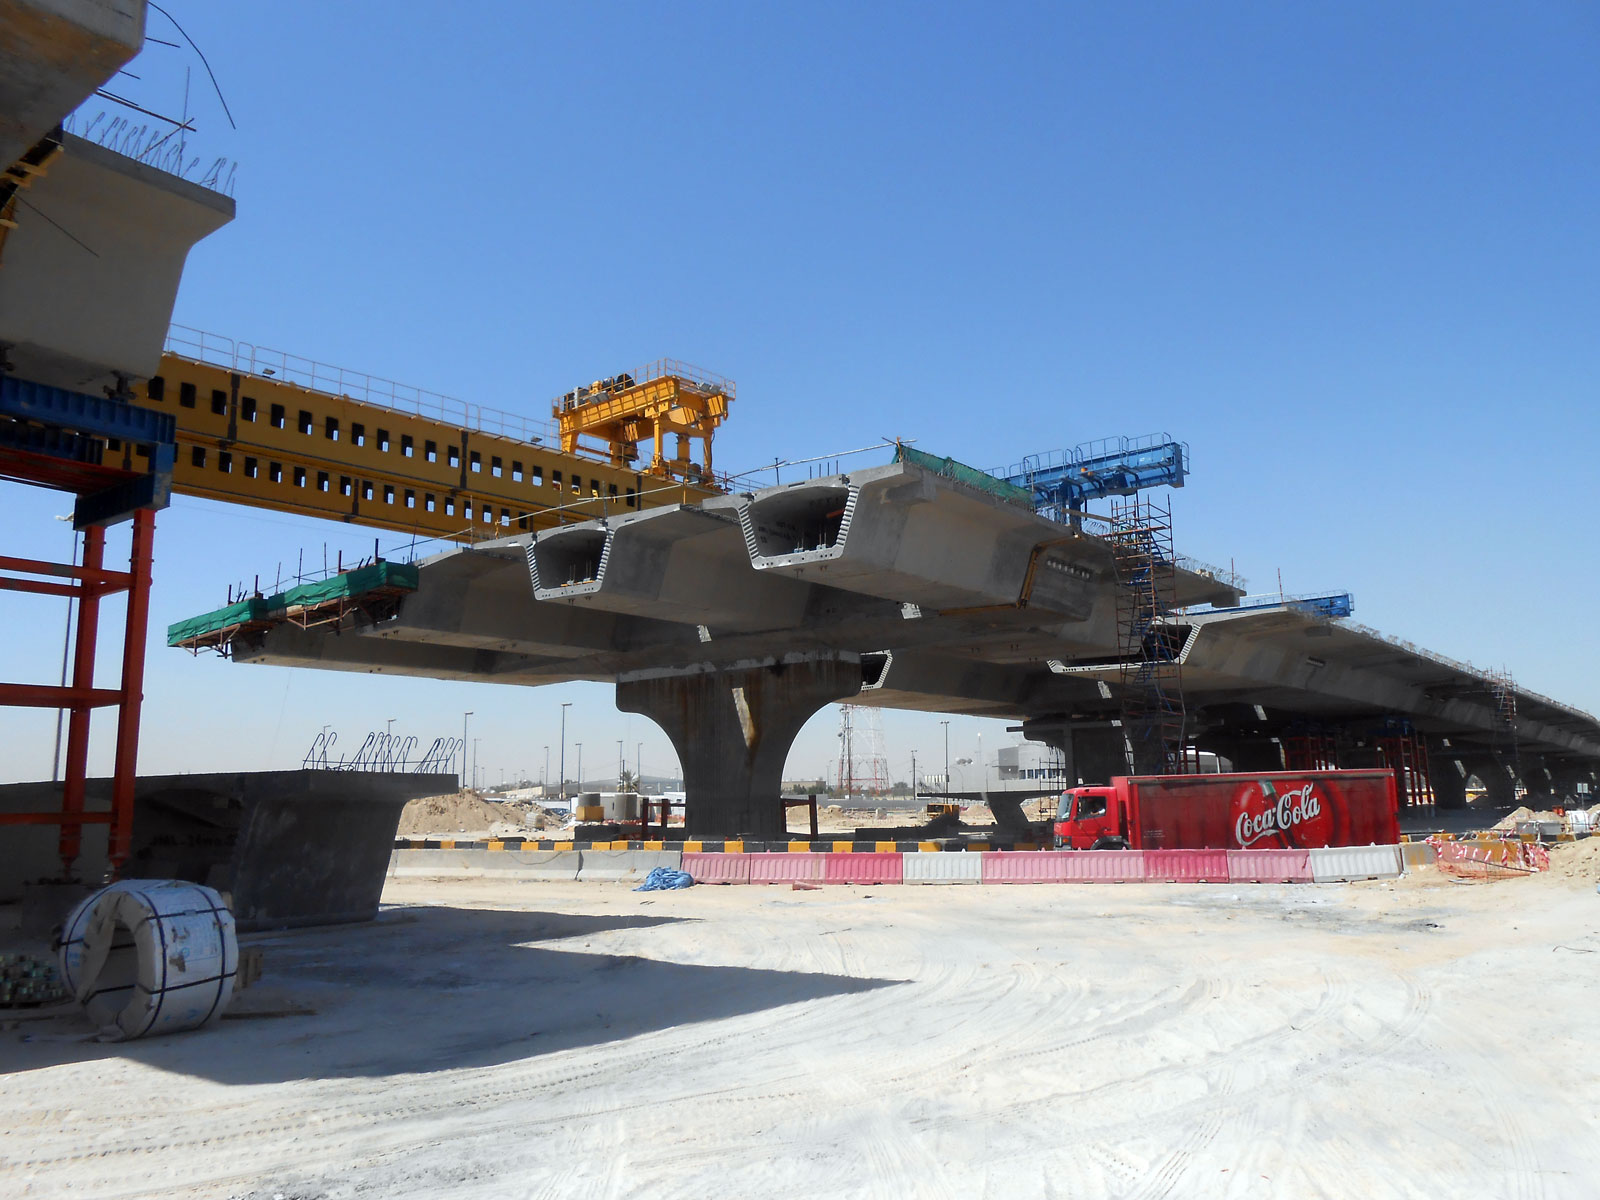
(278, 365)
(661, 368)
(1086, 452)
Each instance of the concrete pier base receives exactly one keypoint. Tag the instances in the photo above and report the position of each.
(1448, 783)
(732, 730)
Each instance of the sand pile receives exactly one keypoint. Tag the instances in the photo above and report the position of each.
(464, 812)
(1512, 819)
(1576, 860)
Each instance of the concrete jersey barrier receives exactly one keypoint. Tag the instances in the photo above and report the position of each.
(625, 866)
(1341, 864)
(936, 867)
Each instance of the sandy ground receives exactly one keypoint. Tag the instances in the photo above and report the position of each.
(483, 1039)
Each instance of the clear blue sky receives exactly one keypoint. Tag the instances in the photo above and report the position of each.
(1346, 251)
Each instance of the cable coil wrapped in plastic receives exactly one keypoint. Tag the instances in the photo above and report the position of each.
(150, 956)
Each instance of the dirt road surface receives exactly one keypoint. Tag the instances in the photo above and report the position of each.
(484, 1039)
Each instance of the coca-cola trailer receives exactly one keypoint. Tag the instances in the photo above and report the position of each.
(1258, 811)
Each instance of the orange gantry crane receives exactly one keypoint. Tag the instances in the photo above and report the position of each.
(667, 397)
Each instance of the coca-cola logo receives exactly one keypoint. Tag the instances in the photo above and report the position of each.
(1279, 816)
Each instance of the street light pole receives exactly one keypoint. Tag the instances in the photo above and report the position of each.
(565, 704)
(946, 725)
(579, 745)
(913, 776)
(638, 765)
(464, 717)
(475, 742)
(544, 776)
(622, 765)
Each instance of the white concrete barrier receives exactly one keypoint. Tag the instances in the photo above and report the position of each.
(626, 866)
(509, 864)
(933, 866)
(1340, 864)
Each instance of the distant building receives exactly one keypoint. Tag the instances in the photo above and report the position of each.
(1032, 761)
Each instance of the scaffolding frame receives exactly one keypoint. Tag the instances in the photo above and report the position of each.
(1153, 717)
(1315, 750)
(1406, 754)
(87, 585)
(1503, 740)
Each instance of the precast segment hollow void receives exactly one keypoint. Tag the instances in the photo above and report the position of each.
(568, 562)
(808, 520)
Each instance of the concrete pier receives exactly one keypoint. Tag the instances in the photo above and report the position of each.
(732, 729)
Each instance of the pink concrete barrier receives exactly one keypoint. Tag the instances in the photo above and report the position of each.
(1269, 866)
(885, 867)
(718, 868)
(1022, 866)
(1102, 866)
(785, 868)
(1186, 866)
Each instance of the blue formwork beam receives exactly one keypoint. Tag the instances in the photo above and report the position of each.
(1325, 604)
(99, 415)
(60, 423)
(1095, 470)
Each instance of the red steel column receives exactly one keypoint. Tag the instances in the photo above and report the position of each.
(120, 835)
(77, 769)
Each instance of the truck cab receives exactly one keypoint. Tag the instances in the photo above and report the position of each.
(1091, 818)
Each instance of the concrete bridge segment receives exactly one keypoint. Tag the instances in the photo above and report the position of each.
(731, 622)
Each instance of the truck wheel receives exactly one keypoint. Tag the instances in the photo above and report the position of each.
(1107, 843)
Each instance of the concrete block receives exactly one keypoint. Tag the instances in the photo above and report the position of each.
(1340, 864)
(511, 864)
(1418, 854)
(628, 866)
(937, 867)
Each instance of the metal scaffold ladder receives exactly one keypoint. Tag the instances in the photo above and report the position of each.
(1503, 742)
(1152, 676)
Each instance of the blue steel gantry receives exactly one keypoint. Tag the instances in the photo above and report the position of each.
(1063, 481)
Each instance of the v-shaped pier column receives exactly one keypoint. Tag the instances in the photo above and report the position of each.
(732, 728)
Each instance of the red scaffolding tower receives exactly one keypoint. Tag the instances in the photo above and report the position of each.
(57, 439)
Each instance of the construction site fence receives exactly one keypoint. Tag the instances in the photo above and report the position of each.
(806, 863)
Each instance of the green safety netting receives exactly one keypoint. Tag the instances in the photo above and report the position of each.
(962, 473)
(402, 576)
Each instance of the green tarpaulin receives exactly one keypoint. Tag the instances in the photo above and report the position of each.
(962, 473)
(351, 583)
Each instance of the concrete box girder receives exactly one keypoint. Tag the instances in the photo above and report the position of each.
(77, 308)
(675, 564)
(907, 535)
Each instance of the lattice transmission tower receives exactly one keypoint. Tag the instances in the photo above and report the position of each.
(863, 762)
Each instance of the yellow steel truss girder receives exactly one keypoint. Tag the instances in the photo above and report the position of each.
(272, 444)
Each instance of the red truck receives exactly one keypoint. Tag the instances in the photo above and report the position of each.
(1262, 811)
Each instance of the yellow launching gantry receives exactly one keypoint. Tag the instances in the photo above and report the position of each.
(666, 397)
